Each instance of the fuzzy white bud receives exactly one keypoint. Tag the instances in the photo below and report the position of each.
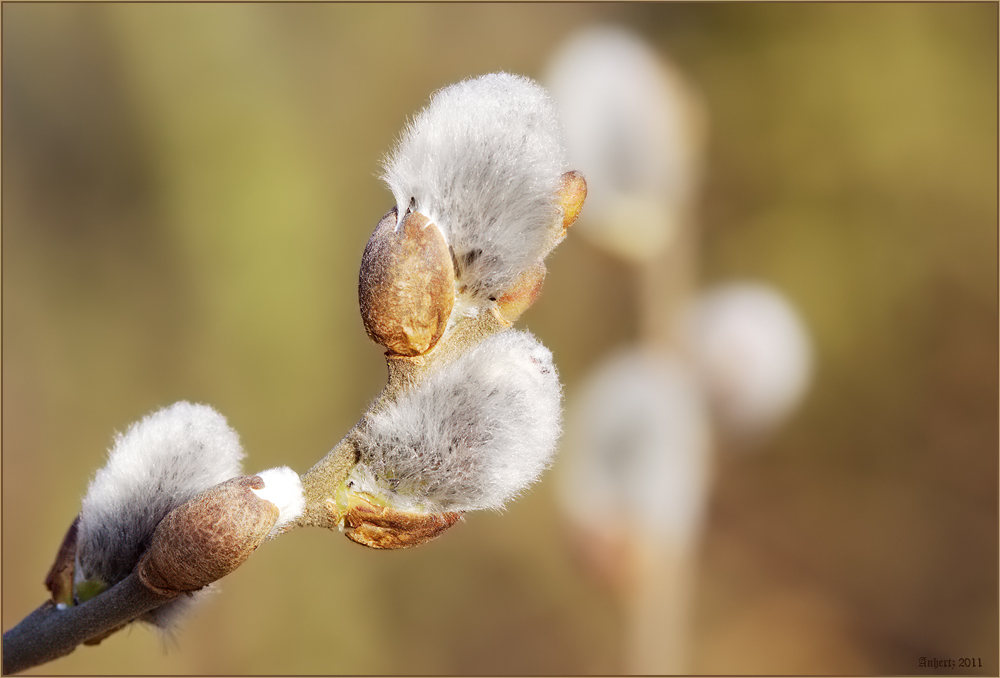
(483, 161)
(753, 352)
(469, 437)
(283, 488)
(158, 464)
(639, 451)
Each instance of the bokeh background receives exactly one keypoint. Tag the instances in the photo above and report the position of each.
(187, 190)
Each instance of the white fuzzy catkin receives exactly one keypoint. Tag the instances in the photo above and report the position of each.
(753, 352)
(158, 464)
(471, 436)
(483, 161)
(632, 128)
(639, 450)
(283, 488)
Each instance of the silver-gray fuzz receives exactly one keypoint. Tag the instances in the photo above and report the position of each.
(471, 436)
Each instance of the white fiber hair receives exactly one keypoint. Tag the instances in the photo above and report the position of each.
(639, 449)
(483, 161)
(754, 354)
(471, 436)
(283, 488)
(158, 464)
(629, 125)
(167, 617)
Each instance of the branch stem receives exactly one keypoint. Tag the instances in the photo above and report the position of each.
(49, 633)
(320, 483)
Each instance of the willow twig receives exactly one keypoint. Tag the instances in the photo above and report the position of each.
(49, 632)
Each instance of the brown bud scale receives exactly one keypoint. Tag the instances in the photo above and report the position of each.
(572, 193)
(523, 293)
(406, 288)
(384, 527)
(59, 581)
(208, 537)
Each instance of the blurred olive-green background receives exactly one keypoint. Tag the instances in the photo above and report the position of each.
(187, 190)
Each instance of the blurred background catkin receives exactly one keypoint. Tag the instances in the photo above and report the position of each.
(187, 190)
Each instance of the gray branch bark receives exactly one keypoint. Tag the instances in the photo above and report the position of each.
(49, 633)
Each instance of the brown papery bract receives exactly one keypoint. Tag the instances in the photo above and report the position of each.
(407, 284)
(522, 294)
(572, 193)
(384, 527)
(208, 537)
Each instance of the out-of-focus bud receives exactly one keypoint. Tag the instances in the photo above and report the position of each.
(639, 454)
(208, 537)
(572, 193)
(635, 489)
(636, 129)
(754, 355)
(407, 284)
